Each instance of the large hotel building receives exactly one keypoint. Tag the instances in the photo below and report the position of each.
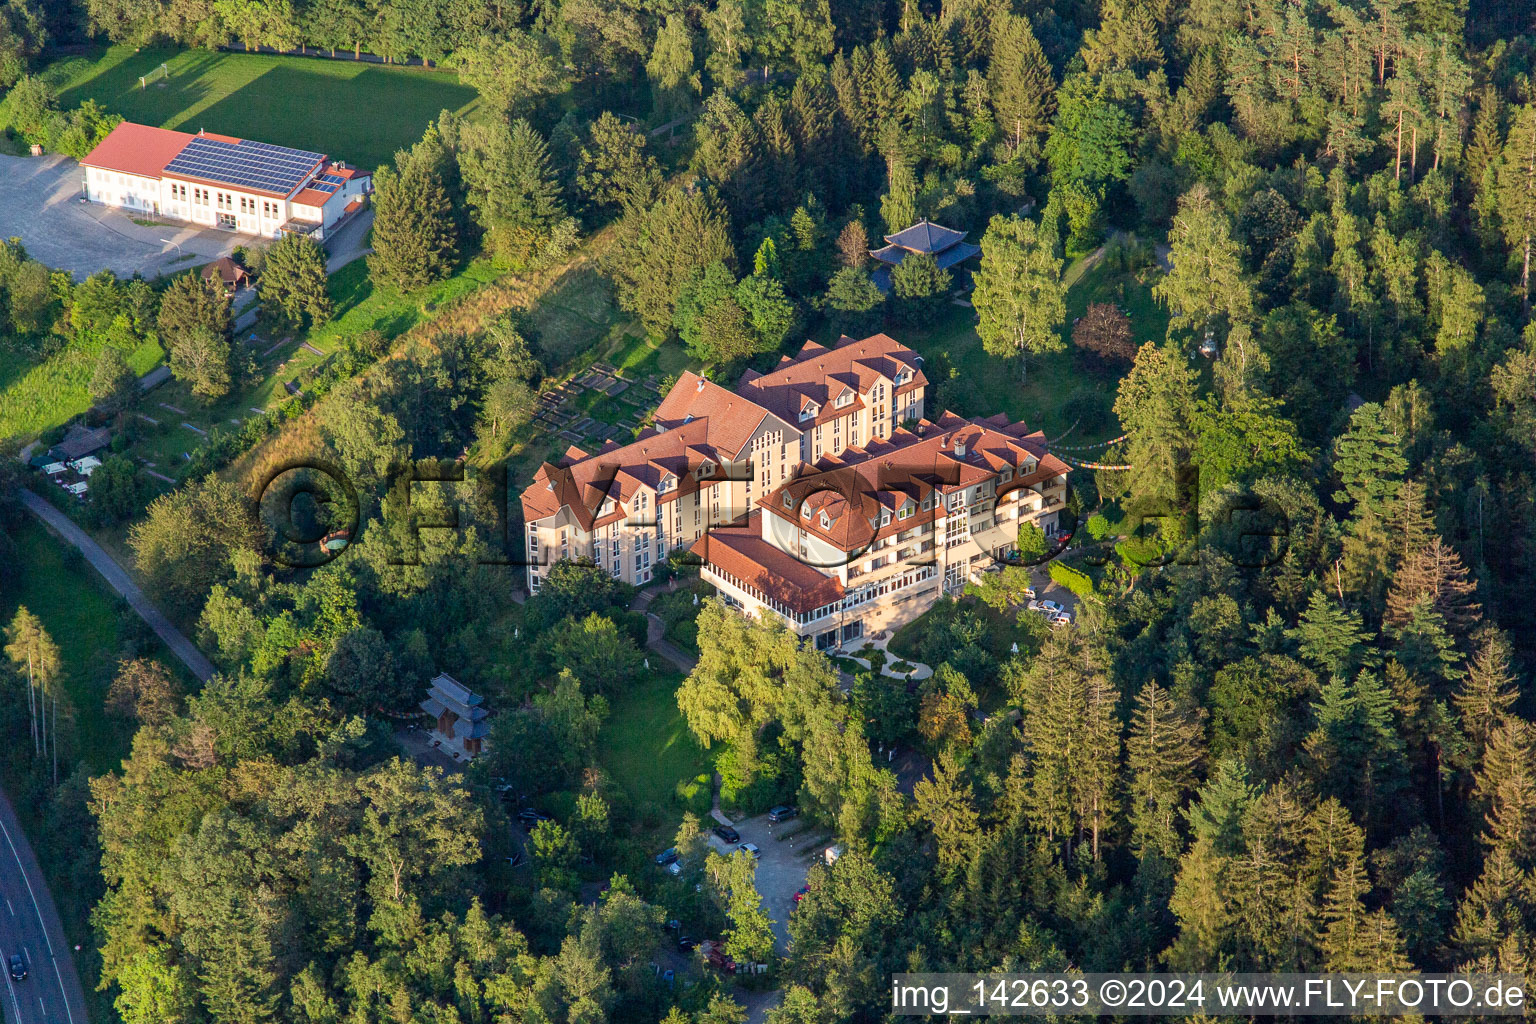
(820, 493)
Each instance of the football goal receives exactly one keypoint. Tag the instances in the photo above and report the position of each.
(161, 72)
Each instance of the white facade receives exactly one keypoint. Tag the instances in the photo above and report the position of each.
(211, 205)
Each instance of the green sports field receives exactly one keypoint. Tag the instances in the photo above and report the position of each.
(360, 113)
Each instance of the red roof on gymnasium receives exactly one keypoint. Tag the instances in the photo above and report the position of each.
(137, 149)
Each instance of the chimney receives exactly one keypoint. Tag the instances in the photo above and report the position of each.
(959, 449)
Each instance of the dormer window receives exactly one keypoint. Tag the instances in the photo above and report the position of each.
(607, 507)
(1007, 473)
(844, 399)
(706, 468)
(905, 512)
(825, 522)
(885, 517)
(789, 500)
(805, 512)
(809, 412)
(667, 483)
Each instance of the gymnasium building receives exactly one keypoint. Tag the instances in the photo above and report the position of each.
(218, 181)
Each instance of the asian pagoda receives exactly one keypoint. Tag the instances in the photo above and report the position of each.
(459, 722)
(946, 245)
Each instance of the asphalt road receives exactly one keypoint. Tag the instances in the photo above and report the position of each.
(121, 582)
(30, 925)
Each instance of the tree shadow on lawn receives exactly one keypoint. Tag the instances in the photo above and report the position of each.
(363, 118)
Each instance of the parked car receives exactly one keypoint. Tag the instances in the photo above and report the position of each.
(1051, 606)
(667, 856)
(1034, 606)
(800, 895)
(727, 834)
(18, 967)
(675, 868)
(752, 849)
(686, 943)
(783, 812)
(530, 818)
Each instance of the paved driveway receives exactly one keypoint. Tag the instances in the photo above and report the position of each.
(38, 204)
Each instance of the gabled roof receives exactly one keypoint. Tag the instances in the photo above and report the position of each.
(732, 419)
(925, 236)
(137, 149)
(581, 483)
(818, 374)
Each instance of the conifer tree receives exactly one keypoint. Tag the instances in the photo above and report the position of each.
(1368, 459)
(1506, 784)
(414, 238)
(1163, 750)
(1488, 690)
(1020, 86)
(292, 286)
(1517, 193)
(1435, 574)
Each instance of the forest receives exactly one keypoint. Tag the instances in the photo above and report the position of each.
(1311, 751)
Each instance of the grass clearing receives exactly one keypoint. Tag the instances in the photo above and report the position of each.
(85, 620)
(352, 111)
(646, 746)
(35, 396)
(1061, 390)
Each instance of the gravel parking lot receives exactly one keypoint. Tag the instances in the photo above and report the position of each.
(38, 204)
(781, 870)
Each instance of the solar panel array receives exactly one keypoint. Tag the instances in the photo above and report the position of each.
(334, 179)
(321, 185)
(258, 165)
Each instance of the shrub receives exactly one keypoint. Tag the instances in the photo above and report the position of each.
(1074, 580)
(1098, 526)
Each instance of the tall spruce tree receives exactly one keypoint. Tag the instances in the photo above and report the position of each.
(414, 236)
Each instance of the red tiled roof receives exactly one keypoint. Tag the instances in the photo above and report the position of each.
(856, 487)
(137, 149)
(581, 482)
(819, 374)
(732, 419)
(741, 552)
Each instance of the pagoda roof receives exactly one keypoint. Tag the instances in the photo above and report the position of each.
(925, 236)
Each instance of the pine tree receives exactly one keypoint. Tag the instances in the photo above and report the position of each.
(1163, 750)
(1506, 784)
(1488, 690)
(293, 282)
(1368, 459)
(1487, 141)
(1333, 638)
(1020, 86)
(1517, 192)
(1019, 299)
(414, 236)
(1434, 574)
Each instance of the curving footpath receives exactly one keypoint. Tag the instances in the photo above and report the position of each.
(117, 577)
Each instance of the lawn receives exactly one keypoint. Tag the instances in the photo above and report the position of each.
(1060, 391)
(36, 396)
(85, 620)
(357, 112)
(574, 314)
(645, 744)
